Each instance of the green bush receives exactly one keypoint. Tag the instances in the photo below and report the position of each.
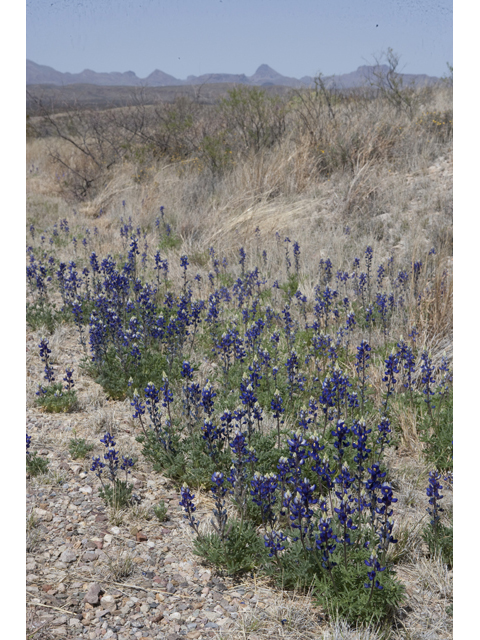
(56, 399)
(36, 465)
(351, 600)
(243, 550)
(79, 448)
(43, 314)
(440, 542)
(160, 511)
(118, 495)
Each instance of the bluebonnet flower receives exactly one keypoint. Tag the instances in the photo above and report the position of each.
(298, 447)
(274, 542)
(340, 433)
(97, 466)
(324, 543)
(242, 456)
(407, 359)
(372, 485)
(376, 568)
(68, 379)
(380, 275)
(278, 410)
(242, 259)
(189, 506)
(139, 408)
(127, 464)
(381, 304)
(29, 440)
(433, 493)
(287, 255)
(391, 369)
(263, 494)
(108, 440)
(296, 254)
(219, 491)
(211, 433)
(208, 394)
(426, 379)
(300, 512)
(383, 429)
(45, 355)
(359, 429)
(295, 379)
(368, 262)
(386, 525)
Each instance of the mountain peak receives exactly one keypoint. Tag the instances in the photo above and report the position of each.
(266, 72)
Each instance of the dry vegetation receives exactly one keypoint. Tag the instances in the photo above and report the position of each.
(336, 173)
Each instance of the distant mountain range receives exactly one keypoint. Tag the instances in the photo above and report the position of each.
(263, 76)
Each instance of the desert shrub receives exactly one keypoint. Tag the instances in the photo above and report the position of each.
(79, 448)
(240, 552)
(55, 399)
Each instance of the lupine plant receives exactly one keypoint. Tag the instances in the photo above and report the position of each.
(248, 387)
(117, 493)
(35, 463)
(436, 534)
(55, 397)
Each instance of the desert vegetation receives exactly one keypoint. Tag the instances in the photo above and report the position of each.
(240, 365)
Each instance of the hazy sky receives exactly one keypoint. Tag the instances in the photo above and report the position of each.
(183, 37)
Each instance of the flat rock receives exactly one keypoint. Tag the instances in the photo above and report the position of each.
(92, 594)
(68, 556)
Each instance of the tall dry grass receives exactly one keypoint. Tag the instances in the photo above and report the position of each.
(369, 175)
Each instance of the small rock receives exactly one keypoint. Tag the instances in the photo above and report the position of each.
(141, 537)
(211, 615)
(92, 594)
(44, 515)
(108, 602)
(68, 556)
(115, 531)
(89, 556)
(86, 489)
(97, 542)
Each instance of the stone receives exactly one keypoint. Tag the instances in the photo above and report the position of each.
(115, 531)
(68, 556)
(158, 617)
(141, 537)
(108, 602)
(44, 515)
(92, 594)
(211, 615)
(89, 556)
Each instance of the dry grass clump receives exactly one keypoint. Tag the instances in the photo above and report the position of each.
(382, 173)
(293, 617)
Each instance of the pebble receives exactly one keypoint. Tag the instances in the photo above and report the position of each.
(68, 556)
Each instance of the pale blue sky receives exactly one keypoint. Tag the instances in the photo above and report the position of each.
(183, 37)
